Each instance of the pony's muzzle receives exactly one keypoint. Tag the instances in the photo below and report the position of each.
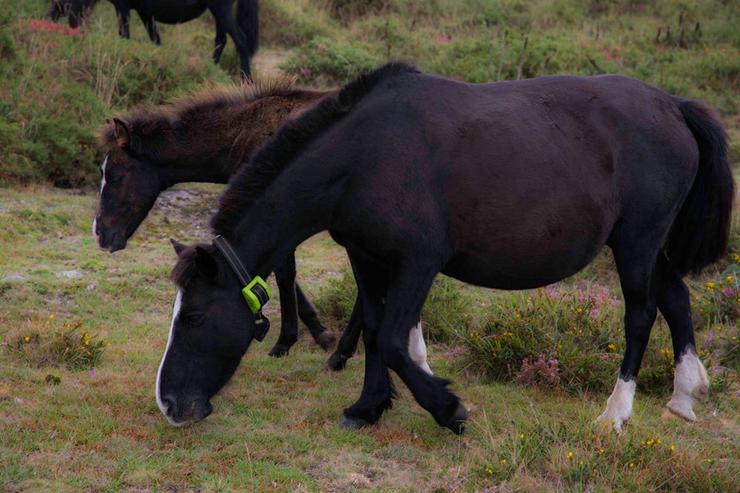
(194, 411)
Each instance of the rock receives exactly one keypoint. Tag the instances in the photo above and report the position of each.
(15, 278)
(91, 287)
(71, 274)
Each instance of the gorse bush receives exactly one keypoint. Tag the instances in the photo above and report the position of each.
(58, 345)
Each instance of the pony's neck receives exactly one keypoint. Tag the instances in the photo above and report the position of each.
(299, 204)
(214, 146)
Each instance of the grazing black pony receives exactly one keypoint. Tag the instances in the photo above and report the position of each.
(511, 185)
(243, 29)
(201, 138)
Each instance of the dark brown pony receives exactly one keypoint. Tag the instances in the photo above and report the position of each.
(203, 137)
(511, 185)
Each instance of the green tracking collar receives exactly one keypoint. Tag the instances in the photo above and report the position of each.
(256, 292)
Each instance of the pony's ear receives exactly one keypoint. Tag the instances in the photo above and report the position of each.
(179, 247)
(122, 133)
(205, 262)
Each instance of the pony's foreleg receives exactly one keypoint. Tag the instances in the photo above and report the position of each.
(640, 311)
(285, 277)
(690, 381)
(377, 391)
(406, 296)
(309, 316)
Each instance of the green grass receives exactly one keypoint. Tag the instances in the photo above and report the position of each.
(275, 426)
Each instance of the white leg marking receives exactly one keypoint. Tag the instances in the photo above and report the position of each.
(690, 385)
(175, 313)
(95, 230)
(418, 349)
(619, 404)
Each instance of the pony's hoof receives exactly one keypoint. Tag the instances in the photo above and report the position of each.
(336, 362)
(279, 351)
(326, 340)
(457, 422)
(682, 408)
(353, 422)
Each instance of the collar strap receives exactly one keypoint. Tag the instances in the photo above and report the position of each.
(256, 292)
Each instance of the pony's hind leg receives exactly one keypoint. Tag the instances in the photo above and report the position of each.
(690, 381)
(309, 316)
(219, 44)
(635, 266)
(347, 344)
(285, 277)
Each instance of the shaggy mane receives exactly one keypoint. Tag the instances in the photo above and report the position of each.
(275, 156)
(210, 99)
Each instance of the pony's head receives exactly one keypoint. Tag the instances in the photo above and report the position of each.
(211, 329)
(129, 186)
(75, 10)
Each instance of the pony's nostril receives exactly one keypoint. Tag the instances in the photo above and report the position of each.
(168, 403)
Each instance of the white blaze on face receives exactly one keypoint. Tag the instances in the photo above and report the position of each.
(102, 174)
(619, 404)
(418, 349)
(175, 313)
(102, 186)
(690, 385)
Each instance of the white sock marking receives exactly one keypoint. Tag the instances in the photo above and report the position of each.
(418, 349)
(619, 404)
(690, 385)
(175, 313)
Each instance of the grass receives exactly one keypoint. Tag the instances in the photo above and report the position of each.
(275, 425)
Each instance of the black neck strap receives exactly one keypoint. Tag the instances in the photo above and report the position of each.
(233, 259)
(262, 324)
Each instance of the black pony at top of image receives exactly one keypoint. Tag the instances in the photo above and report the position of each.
(243, 28)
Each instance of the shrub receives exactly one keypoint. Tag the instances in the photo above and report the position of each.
(329, 61)
(573, 339)
(720, 303)
(54, 345)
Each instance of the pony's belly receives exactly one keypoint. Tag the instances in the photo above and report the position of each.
(176, 11)
(522, 268)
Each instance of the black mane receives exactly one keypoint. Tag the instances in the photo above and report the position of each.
(250, 182)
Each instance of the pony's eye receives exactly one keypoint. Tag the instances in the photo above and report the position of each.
(193, 319)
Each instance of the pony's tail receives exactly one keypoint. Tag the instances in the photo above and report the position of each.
(247, 16)
(700, 232)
